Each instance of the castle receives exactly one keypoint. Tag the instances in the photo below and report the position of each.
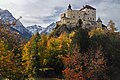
(87, 14)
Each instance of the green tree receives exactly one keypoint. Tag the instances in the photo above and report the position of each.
(81, 38)
(10, 67)
(31, 56)
(57, 47)
(111, 25)
(10, 55)
(109, 42)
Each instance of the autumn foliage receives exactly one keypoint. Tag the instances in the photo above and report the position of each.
(79, 55)
(10, 55)
(90, 65)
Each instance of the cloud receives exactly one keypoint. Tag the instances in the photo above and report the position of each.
(44, 12)
(108, 10)
(54, 16)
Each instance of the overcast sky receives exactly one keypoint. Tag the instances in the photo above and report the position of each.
(44, 12)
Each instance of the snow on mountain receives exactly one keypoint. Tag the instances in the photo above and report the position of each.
(1, 10)
(35, 28)
(6, 16)
(49, 28)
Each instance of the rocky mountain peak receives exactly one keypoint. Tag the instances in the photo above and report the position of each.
(6, 16)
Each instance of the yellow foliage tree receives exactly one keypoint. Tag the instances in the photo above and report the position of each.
(97, 31)
(9, 67)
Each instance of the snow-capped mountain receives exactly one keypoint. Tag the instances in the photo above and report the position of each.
(49, 28)
(35, 28)
(6, 16)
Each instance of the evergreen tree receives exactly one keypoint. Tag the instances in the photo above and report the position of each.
(81, 38)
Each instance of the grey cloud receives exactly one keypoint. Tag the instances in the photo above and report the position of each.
(55, 14)
(47, 11)
(58, 10)
(95, 2)
(116, 1)
(107, 9)
(49, 19)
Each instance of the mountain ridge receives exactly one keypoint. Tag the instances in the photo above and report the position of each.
(42, 30)
(7, 17)
(25, 31)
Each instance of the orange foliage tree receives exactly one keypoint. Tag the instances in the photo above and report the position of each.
(10, 55)
(87, 66)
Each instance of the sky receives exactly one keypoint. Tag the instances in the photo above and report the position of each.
(44, 12)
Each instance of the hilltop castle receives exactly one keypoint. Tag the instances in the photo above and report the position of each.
(87, 14)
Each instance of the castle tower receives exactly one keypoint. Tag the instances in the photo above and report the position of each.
(99, 23)
(69, 11)
(69, 7)
(90, 13)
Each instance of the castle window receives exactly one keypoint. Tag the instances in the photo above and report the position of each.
(68, 22)
(88, 18)
(73, 16)
(93, 18)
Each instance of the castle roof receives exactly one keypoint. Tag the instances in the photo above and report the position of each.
(104, 26)
(99, 20)
(88, 7)
(69, 7)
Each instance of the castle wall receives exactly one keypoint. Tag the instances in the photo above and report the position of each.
(90, 14)
(87, 15)
(74, 14)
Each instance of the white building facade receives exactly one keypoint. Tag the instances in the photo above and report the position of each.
(87, 14)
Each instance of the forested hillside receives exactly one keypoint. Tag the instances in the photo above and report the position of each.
(80, 54)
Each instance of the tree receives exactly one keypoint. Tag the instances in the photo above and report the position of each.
(9, 66)
(95, 32)
(110, 45)
(73, 69)
(88, 66)
(57, 47)
(81, 38)
(113, 55)
(111, 26)
(10, 55)
(31, 56)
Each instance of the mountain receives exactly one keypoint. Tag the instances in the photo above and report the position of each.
(35, 28)
(6, 17)
(26, 32)
(49, 28)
